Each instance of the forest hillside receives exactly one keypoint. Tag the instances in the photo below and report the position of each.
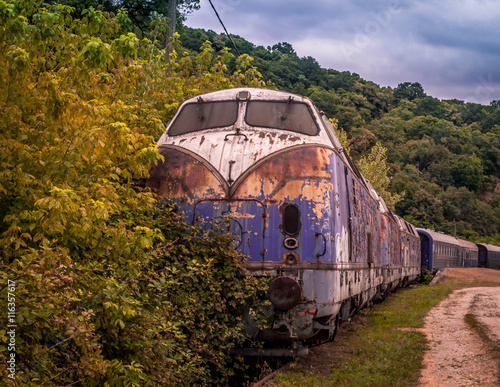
(444, 156)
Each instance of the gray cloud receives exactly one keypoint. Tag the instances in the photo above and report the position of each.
(450, 47)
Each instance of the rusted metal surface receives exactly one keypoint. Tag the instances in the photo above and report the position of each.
(185, 176)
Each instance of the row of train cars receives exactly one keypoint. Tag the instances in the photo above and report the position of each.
(440, 251)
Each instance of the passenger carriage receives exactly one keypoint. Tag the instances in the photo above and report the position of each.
(438, 250)
(489, 256)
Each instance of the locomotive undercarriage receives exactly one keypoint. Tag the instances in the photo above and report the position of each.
(312, 322)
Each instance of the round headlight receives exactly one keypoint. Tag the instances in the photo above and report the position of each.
(284, 293)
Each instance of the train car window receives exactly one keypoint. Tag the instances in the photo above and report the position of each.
(204, 115)
(291, 219)
(286, 115)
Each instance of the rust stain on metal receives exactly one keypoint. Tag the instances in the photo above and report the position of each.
(285, 258)
(283, 177)
(312, 311)
(242, 215)
(181, 176)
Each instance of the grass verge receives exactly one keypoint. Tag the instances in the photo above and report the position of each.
(386, 350)
(383, 345)
(494, 346)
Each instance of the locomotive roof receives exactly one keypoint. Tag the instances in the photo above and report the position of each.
(255, 93)
(405, 226)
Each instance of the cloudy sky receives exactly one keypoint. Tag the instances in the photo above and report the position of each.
(451, 47)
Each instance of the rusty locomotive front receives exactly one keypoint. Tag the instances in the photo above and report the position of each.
(270, 165)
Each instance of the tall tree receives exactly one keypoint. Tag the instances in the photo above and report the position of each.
(374, 167)
(172, 16)
(409, 91)
(141, 12)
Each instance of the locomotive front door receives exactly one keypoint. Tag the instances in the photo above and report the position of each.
(245, 219)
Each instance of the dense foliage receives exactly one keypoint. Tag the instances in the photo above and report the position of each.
(140, 12)
(443, 155)
(104, 292)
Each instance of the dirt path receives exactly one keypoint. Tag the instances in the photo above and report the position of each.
(458, 355)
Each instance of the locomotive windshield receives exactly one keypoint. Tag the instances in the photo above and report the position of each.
(286, 115)
(204, 115)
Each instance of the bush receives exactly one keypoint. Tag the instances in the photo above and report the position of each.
(104, 293)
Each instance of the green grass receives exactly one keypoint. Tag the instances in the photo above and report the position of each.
(482, 331)
(387, 351)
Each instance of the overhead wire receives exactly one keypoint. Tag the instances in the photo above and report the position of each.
(223, 26)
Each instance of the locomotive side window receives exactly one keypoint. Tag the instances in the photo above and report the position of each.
(291, 219)
(204, 115)
(286, 115)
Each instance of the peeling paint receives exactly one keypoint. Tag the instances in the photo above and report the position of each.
(312, 311)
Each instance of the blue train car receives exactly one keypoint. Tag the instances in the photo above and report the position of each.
(489, 256)
(438, 250)
(268, 166)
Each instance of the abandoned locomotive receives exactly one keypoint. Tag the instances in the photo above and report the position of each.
(270, 165)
